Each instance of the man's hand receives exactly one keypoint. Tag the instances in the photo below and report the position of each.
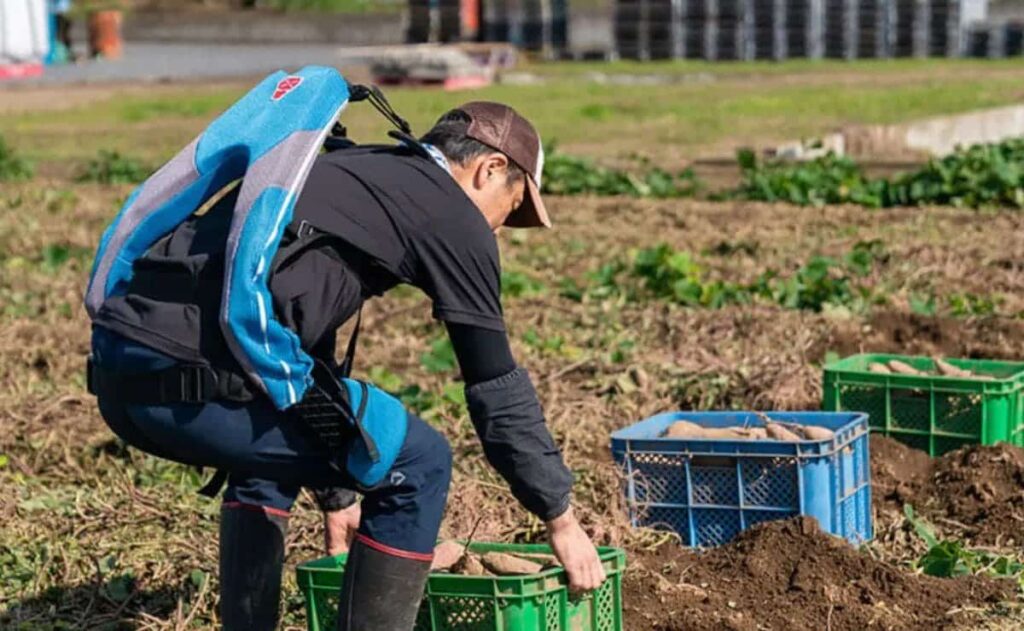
(575, 552)
(340, 529)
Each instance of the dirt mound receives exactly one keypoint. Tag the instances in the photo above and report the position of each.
(898, 472)
(912, 334)
(974, 492)
(790, 575)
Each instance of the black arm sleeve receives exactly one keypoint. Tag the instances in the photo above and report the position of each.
(483, 354)
(506, 413)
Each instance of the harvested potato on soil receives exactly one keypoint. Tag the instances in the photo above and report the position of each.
(881, 369)
(509, 565)
(902, 368)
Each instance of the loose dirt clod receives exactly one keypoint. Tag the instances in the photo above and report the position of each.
(976, 492)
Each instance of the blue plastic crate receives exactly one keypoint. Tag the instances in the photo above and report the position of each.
(709, 490)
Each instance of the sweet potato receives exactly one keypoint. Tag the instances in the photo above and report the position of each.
(547, 560)
(684, 429)
(509, 565)
(727, 433)
(779, 432)
(447, 554)
(881, 369)
(470, 565)
(813, 432)
(949, 370)
(901, 368)
(757, 433)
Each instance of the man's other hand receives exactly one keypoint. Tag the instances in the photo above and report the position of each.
(340, 529)
(575, 552)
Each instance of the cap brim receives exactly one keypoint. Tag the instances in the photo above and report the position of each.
(531, 213)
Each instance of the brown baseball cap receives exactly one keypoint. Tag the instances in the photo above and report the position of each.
(502, 128)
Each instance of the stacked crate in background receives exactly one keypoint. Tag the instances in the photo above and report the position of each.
(804, 28)
(944, 29)
(534, 25)
(781, 29)
(649, 29)
(732, 26)
(840, 29)
(912, 28)
(876, 23)
(768, 29)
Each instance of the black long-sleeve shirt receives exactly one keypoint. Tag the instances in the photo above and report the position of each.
(384, 216)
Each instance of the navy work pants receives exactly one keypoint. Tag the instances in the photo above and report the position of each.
(269, 459)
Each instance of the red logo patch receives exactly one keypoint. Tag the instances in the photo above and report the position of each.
(284, 86)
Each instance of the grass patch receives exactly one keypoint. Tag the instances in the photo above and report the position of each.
(110, 167)
(12, 166)
(739, 104)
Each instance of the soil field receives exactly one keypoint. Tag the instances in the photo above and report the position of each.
(97, 536)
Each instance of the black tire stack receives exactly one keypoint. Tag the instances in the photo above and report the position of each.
(649, 29)
(876, 22)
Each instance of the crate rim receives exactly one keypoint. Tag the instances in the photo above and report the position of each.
(855, 426)
(613, 559)
(842, 368)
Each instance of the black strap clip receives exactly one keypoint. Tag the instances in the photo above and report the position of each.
(197, 384)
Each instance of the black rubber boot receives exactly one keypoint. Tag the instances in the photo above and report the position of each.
(380, 591)
(251, 559)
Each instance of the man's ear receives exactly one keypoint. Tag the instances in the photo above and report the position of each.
(490, 166)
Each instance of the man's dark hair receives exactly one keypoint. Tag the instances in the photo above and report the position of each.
(449, 136)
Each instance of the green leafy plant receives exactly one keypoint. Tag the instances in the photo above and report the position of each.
(828, 180)
(977, 176)
(662, 273)
(110, 167)
(13, 167)
(968, 304)
(440, 358)
(515, 284)
(949, 558)
(980, 175)
(571, 175)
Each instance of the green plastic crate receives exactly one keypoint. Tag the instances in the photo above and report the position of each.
(933, 413)
(540, 602)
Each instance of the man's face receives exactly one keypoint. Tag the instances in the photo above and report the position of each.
(485, 181)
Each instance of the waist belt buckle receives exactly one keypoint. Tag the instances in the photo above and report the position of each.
(198, 384)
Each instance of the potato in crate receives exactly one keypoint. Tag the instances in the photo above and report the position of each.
(455, 602)
(931, 404)
(709, 475)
